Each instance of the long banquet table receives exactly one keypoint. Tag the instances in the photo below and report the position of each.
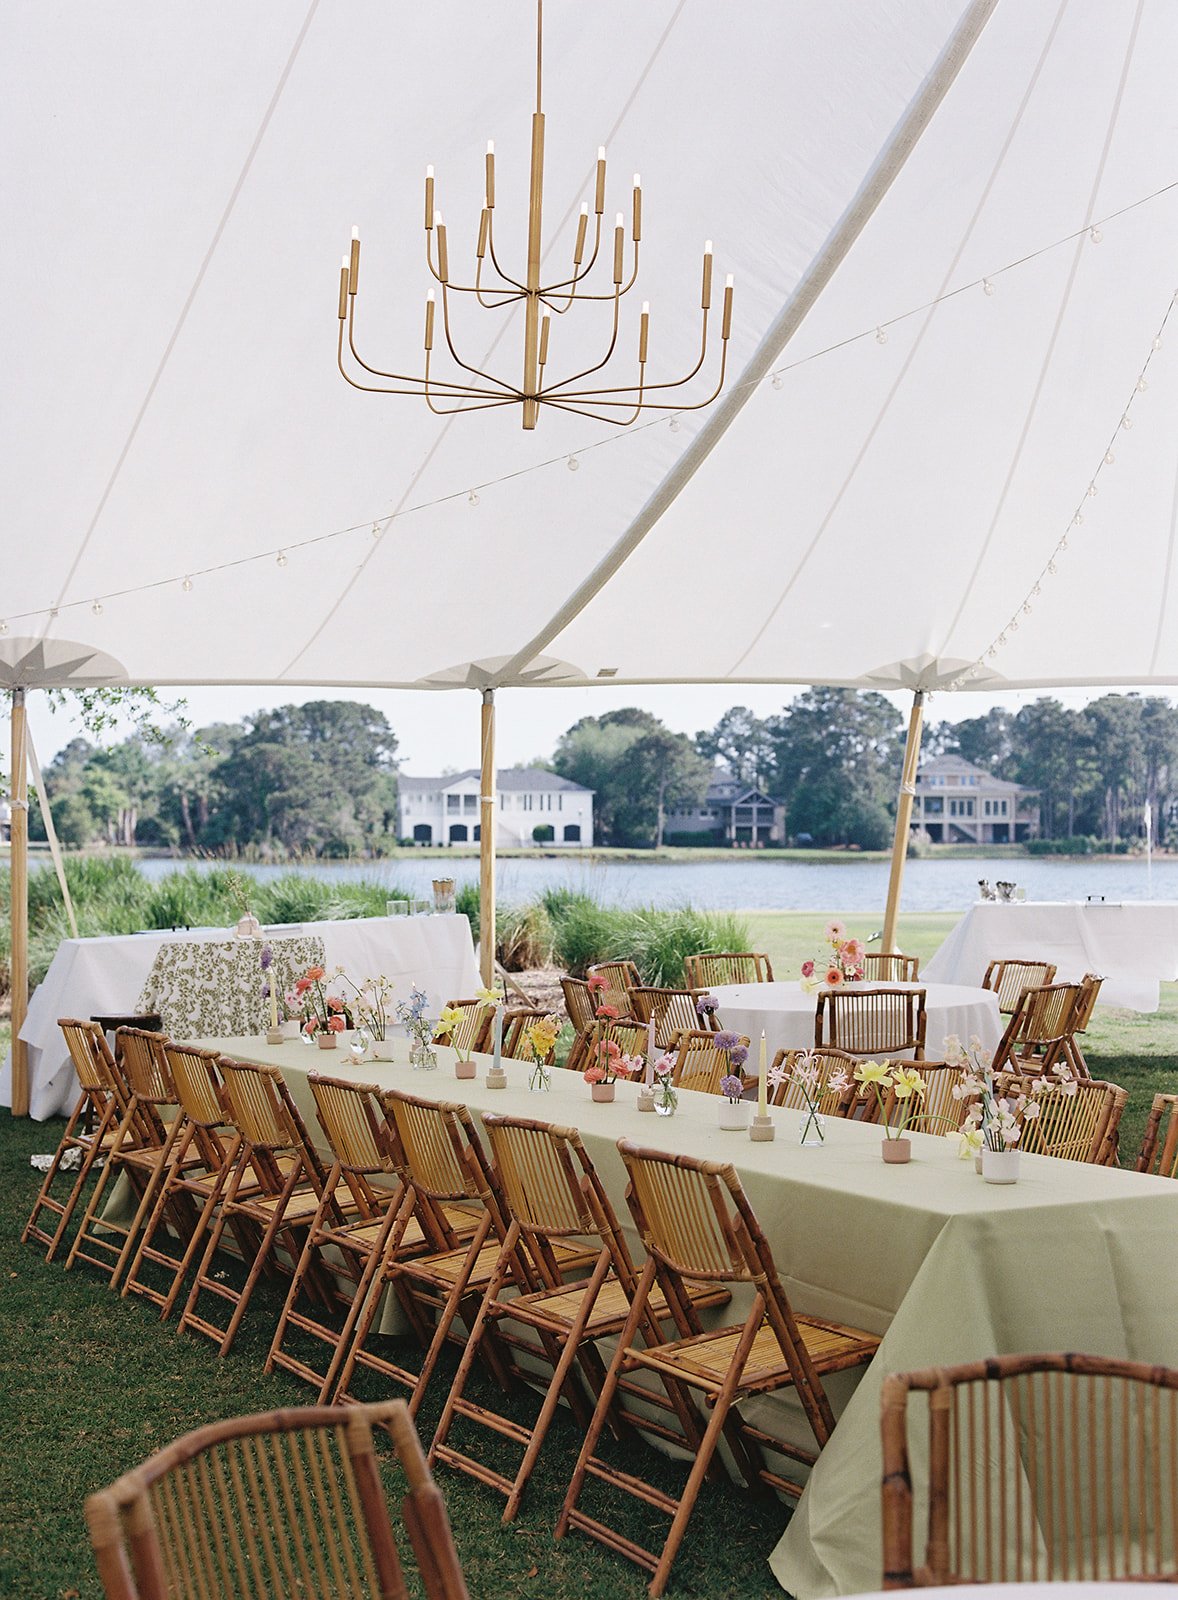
(945, 1266)
(1134, 945)
(110, 976)
(786, 1013)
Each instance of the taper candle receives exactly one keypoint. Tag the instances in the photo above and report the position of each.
(762, 1081)
(498, 1062)
(650, 1052)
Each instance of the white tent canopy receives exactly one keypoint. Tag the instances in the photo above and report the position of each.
(180, 183)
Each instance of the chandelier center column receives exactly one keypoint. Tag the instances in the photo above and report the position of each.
(531, 385)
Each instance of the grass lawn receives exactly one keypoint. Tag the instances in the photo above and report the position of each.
(94, 1383)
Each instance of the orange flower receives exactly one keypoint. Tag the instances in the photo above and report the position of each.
(302, 985)
(834, 976)
(610, 1013)
(336, 1024)
(311, 1025)
(315, 973)
(594, 1075)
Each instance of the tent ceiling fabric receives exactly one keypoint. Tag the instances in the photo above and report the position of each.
(180, 184)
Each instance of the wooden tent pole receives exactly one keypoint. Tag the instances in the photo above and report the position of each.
(903, 820)
(18, 859)
(487, 843)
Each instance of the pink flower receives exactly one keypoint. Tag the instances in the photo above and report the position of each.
(595, 983)
(302, 985)
(594, 1074)
(311, 1025)
(665, 1064)
(807, 969)
(610, 1013)
(853, 952)
(334, 1003)
(315, 973)
(834, 976)
(627, 1066)
(336, 1024)
(834, 932)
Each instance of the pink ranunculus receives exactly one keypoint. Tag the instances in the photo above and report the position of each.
(302, 985)
(336, 1023)
(311, 1025)
(334, 1003)
(594, 1074)
(834, 976)
(628, 1066)
(853, 952)
(595, 983)
(807, 969)
(609, 1013)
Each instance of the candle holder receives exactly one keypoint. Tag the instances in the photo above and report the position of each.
(496, 1078)
(645, 1101)
(762, 1128)
(275, 1036)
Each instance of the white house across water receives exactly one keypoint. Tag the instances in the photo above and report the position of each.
(957, 802)
(531, 807)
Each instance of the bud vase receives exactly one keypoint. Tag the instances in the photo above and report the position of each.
(897, 1151)
(464, 1069)
(1000, 1166)
(422, 1056)
(382, 1050)
(325, 1041)
(666, 1101)
(603, 1091)
(812, 1129)
(733, 1115)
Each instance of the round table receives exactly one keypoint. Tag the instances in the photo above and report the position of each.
(786, 1013)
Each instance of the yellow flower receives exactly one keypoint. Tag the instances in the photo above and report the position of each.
(969, 1141)
(908, 1082)
(448, 1020)
(489, 997)
(874, 1072)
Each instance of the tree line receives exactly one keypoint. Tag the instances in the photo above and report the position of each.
(321, 778)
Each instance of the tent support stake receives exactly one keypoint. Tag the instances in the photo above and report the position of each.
(18, 857)
(487, 842)
(903, 820)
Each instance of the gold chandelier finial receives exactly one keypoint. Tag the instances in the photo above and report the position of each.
(447, 395)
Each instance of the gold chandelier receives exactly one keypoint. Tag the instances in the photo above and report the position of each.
(455, 393)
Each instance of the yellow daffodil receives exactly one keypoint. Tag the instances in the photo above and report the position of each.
(969, 1141)
(449, 1019)
(908, 1082)
(489, 997)
(873, 1072)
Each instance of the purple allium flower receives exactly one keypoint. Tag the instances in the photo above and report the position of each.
(707, 1005)
(265, 991)
(732, 1087)
(267, 958)
(726, 1040)
(738, 1057)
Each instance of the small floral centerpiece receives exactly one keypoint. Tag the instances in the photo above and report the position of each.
(607, 1063)
(844, 964)
(372, 1011)
(907, 1086)
(805, 1074)
(540, 1036)
(733, 1109)
(324, 1015)
(248, 926)
(994, 1123)
(411, 1014)
(666, 1096)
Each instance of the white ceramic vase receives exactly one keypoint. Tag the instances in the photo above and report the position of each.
(1000, 1166)
(733, 1114)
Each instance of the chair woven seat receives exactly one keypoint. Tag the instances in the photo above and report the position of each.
(556, 1308)
(708, 1357)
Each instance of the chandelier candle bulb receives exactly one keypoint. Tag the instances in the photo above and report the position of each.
(706, 295)
(599, 197)
(636, 230)
(429, 198)
(619, 242)
(443, 253)
(643, 332)
(429, 319)
(490, 174)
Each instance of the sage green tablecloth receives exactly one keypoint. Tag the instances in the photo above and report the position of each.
(947, 1267)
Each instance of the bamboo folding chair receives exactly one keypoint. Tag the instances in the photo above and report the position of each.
(276, 1183)
(193, 1179)
(620, 977)
(1039, 1029)
(1041, 1468)
(474, 1031)
(673, 1010)
(700, 1066)
(1159, 1147)
(1076, 1121)
(554, 1199)
(734, 966)
(831, 1102)
(1086, 997)
(450, 1190)
(285, 1503)
(1011, 979)
(141, 1150)
(699, 1229)
(872, 1022)
(90, 1131)
(893, 968)
(352, 1118)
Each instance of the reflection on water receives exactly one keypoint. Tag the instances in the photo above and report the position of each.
(757, 884)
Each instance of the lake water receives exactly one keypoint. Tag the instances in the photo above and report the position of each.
(745, 884)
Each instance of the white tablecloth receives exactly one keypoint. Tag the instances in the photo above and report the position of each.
(104, 977)
(786, 1013)
(1134, 945)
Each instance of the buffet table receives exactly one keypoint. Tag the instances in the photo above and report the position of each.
(945, 1266)
(1134, 945)
(786, 1013)
(207, 981)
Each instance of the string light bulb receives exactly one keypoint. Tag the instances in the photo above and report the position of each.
(1095, 235)
(1109, 458)
(376, 530)
(3, 625)
(573, 464)
(472, 498)
(1126, 422)
(777, 380)
(987, 286)
(281, 558)
(187, 585)
(1142, 385)
(881, 336)
(96, 608)
(674, 424)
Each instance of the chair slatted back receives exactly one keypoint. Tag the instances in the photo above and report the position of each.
(699, 1065)
(515, 1022)
(350, 1116)
(145, 1063)
(619, 975)
(686, 1221)
(1089, 987)
(1039, 1029)
(828, 1062)
(872, 1022)
(259, 1109)
(940, 1111)
(1159, 1147)
(1076, 1121)
(731, 966)
(90, 1054)
(578, 1002)
(197, 1077)
(890, 968)
(1009, 980)
(673, 1011)
(474, 1031)
(543, 1173)
(1041, 1468)
(434, 1147)
(285, 1503)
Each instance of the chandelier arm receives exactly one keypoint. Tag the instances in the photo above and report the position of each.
(577, 277)
(509, 296)
(651, 405)
(457, 411)
(651, 387)
(488, 377)
(397, 377)
(594, 416)
(450, 389)
(619, 289)
(588, 372)
(506, 276)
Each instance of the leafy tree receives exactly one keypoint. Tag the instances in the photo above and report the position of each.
(987, 741)
(638, 769)
(741, 742)
(836, 762)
